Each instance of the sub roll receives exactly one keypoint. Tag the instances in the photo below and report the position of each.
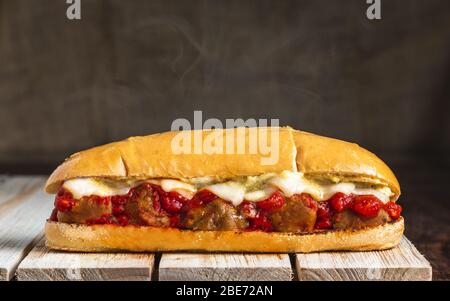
(140, 195)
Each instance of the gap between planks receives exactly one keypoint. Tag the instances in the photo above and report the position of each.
(24, 208)
(401, 263)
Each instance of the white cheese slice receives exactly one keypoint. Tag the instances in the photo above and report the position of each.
(327, 191)
(230, 191)
(291, 183)
(88, 186)
(383, 195)
(259, 195)
(185, 189)
(288, 182)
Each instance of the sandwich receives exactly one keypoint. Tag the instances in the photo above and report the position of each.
(141, 194)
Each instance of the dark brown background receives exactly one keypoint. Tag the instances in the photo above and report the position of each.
(131, 67)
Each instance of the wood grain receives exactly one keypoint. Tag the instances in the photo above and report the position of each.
(24, 208)
(14, 189)
(23, 211)
(401, 263)
(225, 267)
(45, 264)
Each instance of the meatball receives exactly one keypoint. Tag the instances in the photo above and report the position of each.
(217, 215)
(84, 210)
(299, 214)
(350, 220)
(142, 209)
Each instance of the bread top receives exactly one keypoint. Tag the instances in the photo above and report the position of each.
(153, 157)
(328, 158)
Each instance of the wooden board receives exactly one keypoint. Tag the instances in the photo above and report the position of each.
(24, 207)
(14, 189)
(44, 264)
(401, 263)
(232, 267)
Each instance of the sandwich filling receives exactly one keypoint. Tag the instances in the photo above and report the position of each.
(284, 202)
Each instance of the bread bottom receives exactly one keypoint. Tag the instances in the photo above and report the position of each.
(102, 238)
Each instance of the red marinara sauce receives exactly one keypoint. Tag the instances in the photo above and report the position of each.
(200, 199)
(272, 203)
(324, 215)
(366, 206)
(257, 213)
(394, 210)
(256, 217)
(174, 205)
(64, 201)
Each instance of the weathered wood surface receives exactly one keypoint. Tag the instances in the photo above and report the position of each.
(45, 264)
(24, 207)
(13, 189)
(64, 86)
(401, 263)
(232, 267)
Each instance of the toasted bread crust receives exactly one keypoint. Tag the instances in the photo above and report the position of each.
(151, 157)
(319, 156)
(102, 238)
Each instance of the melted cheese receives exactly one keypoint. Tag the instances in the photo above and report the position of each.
(87, 186)
(230, 191)
(259, 195)
(383, 194)
(327, 191)
(291, 183)
(185, 189)
(254, 188)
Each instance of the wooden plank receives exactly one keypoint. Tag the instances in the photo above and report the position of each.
(228, 267)
(45, 264)
(22, 218)
(14, 188)
(401, 263)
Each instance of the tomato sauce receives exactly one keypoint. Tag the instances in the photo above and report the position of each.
(174, 205)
